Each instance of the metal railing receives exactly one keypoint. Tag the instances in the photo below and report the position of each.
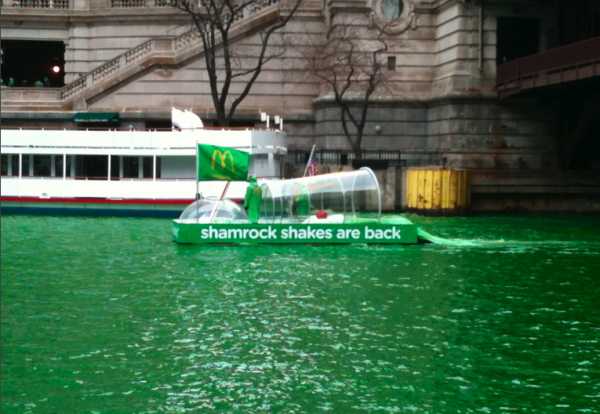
(393, 158)
(39, 4)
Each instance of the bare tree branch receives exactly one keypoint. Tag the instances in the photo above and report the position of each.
(214, 20)
(351, 67)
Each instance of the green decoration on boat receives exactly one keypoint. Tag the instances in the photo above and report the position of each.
(222, 164)
(339, 208)
(234, 233)
(253, 200)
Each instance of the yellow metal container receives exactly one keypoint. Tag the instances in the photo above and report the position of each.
(432, 190)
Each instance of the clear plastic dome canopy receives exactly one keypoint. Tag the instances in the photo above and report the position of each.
(209, 210)
(328, 198)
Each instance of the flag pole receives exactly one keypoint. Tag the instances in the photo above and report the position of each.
(309, 158)
(214, 212)
(197, 183)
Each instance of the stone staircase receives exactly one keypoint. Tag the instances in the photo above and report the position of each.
(158, 51)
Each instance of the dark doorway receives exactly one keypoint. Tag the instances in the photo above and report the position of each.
(586, 155)
(517, 38)
(159, 124)
(238, 124)
(32, 60)
(246, 124)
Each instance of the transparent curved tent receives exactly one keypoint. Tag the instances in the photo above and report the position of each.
(323, 199)
(331, 198)
(213, 210)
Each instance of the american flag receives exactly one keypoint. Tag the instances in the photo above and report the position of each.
(313, 169)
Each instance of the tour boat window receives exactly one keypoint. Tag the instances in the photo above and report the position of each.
(115, 167)
(148, 167)
(4, 166)
(158, 167)
(92, 167)
(42, 165)
(70, 166)
(14, 171)
(131, 167)
(58, 165)
(25, 159)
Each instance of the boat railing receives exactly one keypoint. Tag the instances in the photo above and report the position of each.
(89, 177)
(63, 128)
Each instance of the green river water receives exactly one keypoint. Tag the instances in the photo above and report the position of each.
(108, 315)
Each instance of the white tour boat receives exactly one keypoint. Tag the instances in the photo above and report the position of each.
(123, 172)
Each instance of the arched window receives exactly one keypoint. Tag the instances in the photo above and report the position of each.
(392, 9)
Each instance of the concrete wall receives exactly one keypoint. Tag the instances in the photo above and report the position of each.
(91, 44)
(280, 88)
(439, 98)
(494, 191)
(480, 133)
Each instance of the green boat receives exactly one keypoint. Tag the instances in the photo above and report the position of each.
(339, 208)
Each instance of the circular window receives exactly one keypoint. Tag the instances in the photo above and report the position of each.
(392, 9)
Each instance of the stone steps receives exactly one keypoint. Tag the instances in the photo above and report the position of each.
(159, 51)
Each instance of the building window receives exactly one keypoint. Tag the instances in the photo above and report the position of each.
(391, 63)
(28, 61)
(392, 9)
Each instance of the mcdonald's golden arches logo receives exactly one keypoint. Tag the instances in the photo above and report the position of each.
(233, 163)
(223, 157)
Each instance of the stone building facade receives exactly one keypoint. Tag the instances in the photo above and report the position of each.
(135, 57)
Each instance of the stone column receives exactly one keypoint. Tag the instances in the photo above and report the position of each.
(70, 74)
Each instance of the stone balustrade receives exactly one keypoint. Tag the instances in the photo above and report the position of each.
(142, 3)
(255, 8)
(36, 95)
(68, 4)
(36, 4)
(186, 39)
(163, 46)
(123, 4)
(106, 70)
(138, 52)
(73, 88)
